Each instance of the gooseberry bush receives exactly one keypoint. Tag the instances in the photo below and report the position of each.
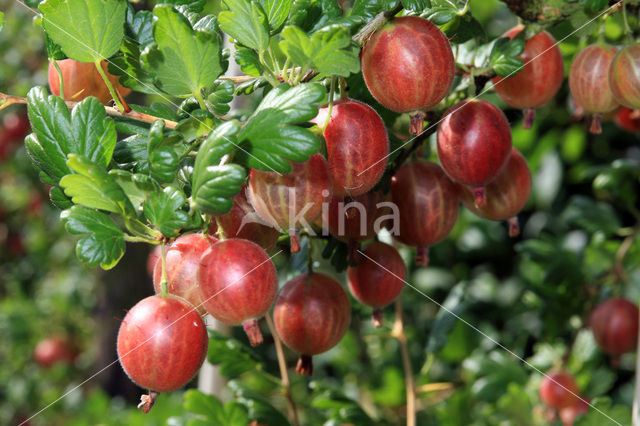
(294, 165)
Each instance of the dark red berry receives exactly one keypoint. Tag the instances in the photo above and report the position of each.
(628, 119)
(378, 278)
(162, 343)
(54, 350)
(357, 146)
(507, 194)
(427, 202)
(243, 222)
(559, 390)
(238, 284)
(408, 66)
(292, 200)
(312, 315)
(614, 323)
(540, 78)
(474, 143)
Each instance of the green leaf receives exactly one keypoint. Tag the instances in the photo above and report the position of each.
(260, 408)
(210, 411)
(248, 61)
(270, 142)
(164, 211)
(1, 20)
(102, 242)
(246, 22)
(137, 186)
(132, 154)
(594, 5)
(213, 184)
(195, 6)
(233, 357)
(163, 156)
(416, 6)
(602, 412)
(277, 12)
(93, 187)
(57, 132)
(504, 56)
(184, 61)
(57, 197)
(86, 30)
(330, 52)
(441, 15)
(219, 97)
(446, 319)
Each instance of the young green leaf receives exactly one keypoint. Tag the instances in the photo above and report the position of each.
(213, 184)
(416, 6)
(183, 61)
(219, 97)
(137, 186)
(163, 210)
(277, 12)
(86, 131)
(248, 61)
(102, 242)
(269, 140)
(331, 51)
(93, 187)
(163, 153)
(86, 30)
(246, 22)
(503, 57)
(210, 411)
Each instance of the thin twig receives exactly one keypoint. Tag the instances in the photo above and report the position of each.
(286, 384)
(398, 333)
(7, 100)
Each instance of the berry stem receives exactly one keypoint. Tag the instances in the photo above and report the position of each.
(422, 256)
(282, 364)
(480, 196)
(353, 255)
(147, 401)
(252, 329)
(164, 282)
(305, 365)
(398, 333)
(514, 227)
(596, 124)
(376, 317)
(294, 237)
(112, 91)
(416, 122)
(332, 90)
(529, 116)
(60, 79)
